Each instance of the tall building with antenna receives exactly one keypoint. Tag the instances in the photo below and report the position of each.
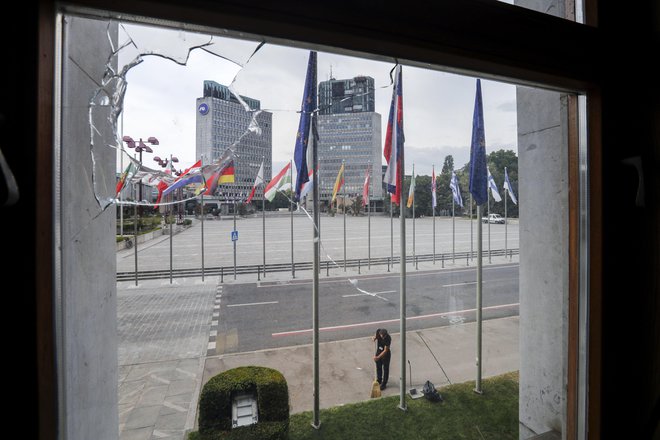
(350, 131)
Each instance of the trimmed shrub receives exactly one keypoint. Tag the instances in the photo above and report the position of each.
(215, 404)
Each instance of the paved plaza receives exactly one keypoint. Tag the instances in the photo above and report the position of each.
(167, 331)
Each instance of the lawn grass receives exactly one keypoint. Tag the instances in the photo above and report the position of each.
(463, 414)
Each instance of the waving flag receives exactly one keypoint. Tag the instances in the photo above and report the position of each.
(126, 175)
(302, 137)
(365, 189)
(493, 187)
(394, 139)
(258, 181)
(507, 187)
(190, 175)
(227, 175)
(339, 181)
(478, 172)
(411, 192)
(307, 187)
(278, 183)
(455, 190)
(434, 199)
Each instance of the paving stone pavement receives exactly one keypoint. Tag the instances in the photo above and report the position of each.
(163, 332)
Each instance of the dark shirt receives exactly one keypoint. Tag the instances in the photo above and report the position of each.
(382, 343)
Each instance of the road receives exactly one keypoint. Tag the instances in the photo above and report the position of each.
(256, 316)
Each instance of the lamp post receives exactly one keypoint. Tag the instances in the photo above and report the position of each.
(139, 148)
(163, 163)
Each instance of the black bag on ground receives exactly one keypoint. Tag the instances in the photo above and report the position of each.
(430, 392)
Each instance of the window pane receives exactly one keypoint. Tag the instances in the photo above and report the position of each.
(206, 279)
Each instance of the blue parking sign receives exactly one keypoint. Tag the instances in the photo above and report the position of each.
(234, 235)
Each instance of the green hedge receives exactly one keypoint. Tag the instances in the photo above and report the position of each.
(215, 404)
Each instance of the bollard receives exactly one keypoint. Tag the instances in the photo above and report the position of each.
(467, 260)
(327, 268)
(416, 263)
(388, 264)
(258, 273)
(222, 274)
(443, 261)
(359, 266)
(293, 270)
(264, 271)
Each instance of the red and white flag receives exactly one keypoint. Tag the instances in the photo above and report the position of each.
(258, 181)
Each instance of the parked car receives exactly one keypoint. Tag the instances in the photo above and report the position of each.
(493, 218)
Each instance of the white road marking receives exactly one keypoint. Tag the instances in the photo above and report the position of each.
(253, 304)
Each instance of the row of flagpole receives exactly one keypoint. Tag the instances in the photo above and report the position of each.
(479, 182)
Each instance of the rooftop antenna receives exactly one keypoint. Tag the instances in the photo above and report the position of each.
(331, 78)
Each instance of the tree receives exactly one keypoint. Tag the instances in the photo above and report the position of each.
(448, 165)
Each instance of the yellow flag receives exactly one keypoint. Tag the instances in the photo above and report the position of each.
(338, 183)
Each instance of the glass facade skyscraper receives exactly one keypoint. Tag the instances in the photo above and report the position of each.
(349, 130)
(222, 122)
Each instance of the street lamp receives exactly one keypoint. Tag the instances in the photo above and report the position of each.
(139, 148)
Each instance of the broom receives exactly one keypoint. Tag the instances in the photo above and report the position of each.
(375, 389)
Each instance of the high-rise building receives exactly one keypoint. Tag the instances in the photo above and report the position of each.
(222, 122)
(349, 130)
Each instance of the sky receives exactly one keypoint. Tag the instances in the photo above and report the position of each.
(161, 95)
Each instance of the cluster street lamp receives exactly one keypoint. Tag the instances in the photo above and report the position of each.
(139, 147)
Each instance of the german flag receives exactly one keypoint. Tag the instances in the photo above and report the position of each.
(227, 174)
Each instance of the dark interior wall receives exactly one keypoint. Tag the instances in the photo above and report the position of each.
(631, 233)
(631, 237)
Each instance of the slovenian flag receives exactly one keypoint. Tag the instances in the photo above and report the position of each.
(394, 139)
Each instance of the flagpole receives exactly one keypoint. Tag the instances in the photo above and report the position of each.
(293, 267)
(471, 224)
(391, 233)
(263, 214)
(135, 245)
(402, 289)
(479, 299)
(433, 198)
(506, 220)
(344, 192)
(202, 213)
(317, 268)
(369, 219)
(453, 232)
(412, 181)
(234, 241)
(488, 217)
(171, 232)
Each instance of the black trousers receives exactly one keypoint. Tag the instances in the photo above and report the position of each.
(383, 369)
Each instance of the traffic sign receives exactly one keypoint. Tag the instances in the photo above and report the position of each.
(234, 235)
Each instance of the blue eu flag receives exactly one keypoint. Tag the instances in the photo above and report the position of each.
(302, 137)
(478, 170)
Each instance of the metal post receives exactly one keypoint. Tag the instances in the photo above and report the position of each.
(291, 205)
(433, 209)
(471, 240)
(369, 222)
(315, 288)
(344, 192)
(453, 232)
(171, 233)
(391, 231)
(222, 274)
(202, 225)
(258, 272)
(443, 261)
(506, 224)
(479, 300)
(413, 207)
(388, 264)
(234, 241)
(135, 244)
(488, 217)
(402, 292)
(359, 266)
(327, 268)
(263, 227)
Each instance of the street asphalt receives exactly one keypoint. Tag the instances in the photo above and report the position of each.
(173, 337)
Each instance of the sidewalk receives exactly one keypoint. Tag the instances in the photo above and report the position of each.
(442, 355)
